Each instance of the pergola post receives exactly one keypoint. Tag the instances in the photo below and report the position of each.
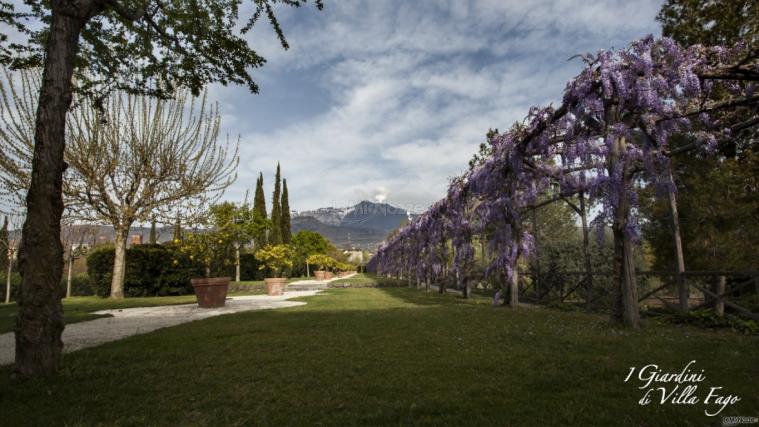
(682, 287)
(586, 252)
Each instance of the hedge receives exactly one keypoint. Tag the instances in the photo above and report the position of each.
(157, 270)
(151, 270)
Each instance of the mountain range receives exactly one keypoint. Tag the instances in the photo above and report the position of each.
(362, 226)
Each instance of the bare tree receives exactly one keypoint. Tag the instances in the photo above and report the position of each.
(130, 159)
(9, 250)
(77, 239)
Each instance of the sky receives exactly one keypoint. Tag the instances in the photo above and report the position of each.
(390, 99)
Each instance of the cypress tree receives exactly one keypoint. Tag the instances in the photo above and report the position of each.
(4, 242)
(286, 232)
(275, 238)
(259, 211)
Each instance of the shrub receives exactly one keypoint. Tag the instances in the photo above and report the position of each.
(81, 285)
(709, 319)
(151, 270)
(275, 259)
(15, 286)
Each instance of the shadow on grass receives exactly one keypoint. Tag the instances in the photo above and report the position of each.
(384, 356)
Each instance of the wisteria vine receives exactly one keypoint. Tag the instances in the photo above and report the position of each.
(612, 128)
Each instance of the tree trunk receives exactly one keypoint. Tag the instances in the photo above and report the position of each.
(536, 253)
(626, 291)
(514, 287)
(719, 289)
(308, 273)
(119, 262)
(682, 287)
(8, 281)
(237, 262)
(586, 253)
(39, 322)
(71, 267)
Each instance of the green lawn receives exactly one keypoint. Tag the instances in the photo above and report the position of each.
(367, 280)
(79, 309)
(389, 356)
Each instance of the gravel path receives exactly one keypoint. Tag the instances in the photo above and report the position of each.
(135, 321)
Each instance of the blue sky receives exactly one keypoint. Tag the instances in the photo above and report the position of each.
(391, 98)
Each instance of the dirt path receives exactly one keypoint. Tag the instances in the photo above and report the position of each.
(134, 321)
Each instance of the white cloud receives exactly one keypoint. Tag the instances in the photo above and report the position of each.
(413, 86)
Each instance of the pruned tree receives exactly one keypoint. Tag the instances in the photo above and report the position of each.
(77, 239)
(139, 157)
(131, 159)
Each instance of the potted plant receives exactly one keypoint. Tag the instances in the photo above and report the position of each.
(275, 259)
(322, 263)
(210, 292)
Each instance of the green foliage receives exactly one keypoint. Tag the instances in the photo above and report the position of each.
(305, 243)
(716, 22)
(709, 319)
(285, 217)
(321, 261)
(81, 285)
(150, 270)
(15, 286)
(146, 47)
(233, 223)
(275, 259)
(717, 194)
(719, 214)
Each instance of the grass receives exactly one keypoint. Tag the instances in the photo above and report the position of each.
(80, 309)
(367, 280)
(389, 356)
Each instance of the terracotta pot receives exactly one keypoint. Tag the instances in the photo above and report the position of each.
(328, 275)
(319, 274)
(275, 285)
(211, 292)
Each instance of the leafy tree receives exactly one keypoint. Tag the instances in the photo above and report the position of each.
(259, 214)
(236, 225)
(147, 47)
(305, 243)
(715, 22)
(275, 237)
(717, 194)
(275, 258)
(321, 261)
(286, 231)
